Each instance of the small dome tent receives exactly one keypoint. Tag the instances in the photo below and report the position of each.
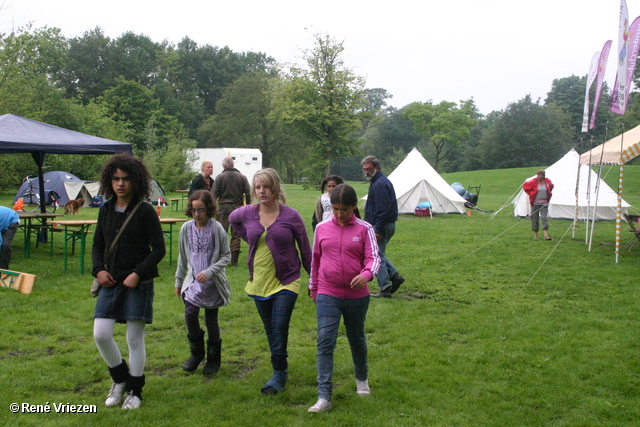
(53, 181)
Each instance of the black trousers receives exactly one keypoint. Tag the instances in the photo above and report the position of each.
(7, 240)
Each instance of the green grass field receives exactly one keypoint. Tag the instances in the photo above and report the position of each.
(491, 328)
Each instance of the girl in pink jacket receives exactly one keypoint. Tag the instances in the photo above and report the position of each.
(345, 259)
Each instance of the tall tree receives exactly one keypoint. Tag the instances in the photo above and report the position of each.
(86, 74)
(27, 59)
(388, 133)
(179, 96)
(374, 107)
(568, 94)
(322, 102)
(445, 124)
(134, 106)
(526, 134)
(95, 62)
(136, 57)
(212, 69)
(244, 118)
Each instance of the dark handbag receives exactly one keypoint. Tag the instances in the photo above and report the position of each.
(95, 285)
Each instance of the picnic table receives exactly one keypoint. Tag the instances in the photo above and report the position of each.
(77, 230)
(35, 223)
(168, 234)
(184, 194)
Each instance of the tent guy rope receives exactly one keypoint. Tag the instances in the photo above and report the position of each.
(550, 253)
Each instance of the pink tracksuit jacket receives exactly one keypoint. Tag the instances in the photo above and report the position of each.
(340, 254)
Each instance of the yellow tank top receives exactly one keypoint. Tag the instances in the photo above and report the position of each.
(265, 283)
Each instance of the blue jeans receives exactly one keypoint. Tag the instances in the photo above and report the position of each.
(328, 311)
(275, 313)
(387, 270)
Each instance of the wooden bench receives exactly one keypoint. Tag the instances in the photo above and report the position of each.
(175, 203)
(21, 282)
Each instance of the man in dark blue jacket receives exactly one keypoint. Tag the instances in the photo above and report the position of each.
(381, 211)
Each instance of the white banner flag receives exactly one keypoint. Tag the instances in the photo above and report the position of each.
(593, 72)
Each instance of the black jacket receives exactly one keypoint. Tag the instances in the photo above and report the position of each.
(198, 183)
(140, 247)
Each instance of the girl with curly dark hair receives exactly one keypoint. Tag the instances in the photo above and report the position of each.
(125, 272)
(137, 171)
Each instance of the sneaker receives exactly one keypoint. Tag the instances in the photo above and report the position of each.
(396, 281)
(321, 405)
(115, 394)
(362, 387)
(386, 293)
(131, 401)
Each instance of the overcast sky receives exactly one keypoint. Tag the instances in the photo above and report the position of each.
(496, 51)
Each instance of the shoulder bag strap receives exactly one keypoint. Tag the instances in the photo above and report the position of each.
(124, 224)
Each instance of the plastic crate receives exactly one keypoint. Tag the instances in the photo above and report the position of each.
(422, 212)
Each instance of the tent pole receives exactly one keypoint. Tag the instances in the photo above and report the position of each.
(586, 231)
(38, 156)
(619, 207)
(619, 212)
(597, 189)
(575, 217)
(595, 208)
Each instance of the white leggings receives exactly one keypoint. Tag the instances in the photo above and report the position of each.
(103, 336)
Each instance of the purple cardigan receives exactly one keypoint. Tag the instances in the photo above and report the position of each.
(282, 236)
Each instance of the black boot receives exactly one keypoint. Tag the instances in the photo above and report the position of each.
(214, 349)
(234, 258)
(119, 373)
(119, 376)
(196, 344)
(134, 392)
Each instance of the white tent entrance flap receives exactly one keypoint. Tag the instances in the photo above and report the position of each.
(85, 189)
(415, 181)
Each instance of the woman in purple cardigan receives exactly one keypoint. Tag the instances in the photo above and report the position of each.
(273, 231)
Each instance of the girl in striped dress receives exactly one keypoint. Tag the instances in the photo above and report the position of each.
(201, 280)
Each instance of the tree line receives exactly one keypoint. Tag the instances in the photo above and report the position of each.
(308, 120)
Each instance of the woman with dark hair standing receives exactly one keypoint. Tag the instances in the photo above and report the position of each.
(125, 272)
(323, 205)
(273, 230)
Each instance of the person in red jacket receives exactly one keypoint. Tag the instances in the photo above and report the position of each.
(539, 190)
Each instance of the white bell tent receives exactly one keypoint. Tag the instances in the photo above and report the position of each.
(563, 174)
(415, 181)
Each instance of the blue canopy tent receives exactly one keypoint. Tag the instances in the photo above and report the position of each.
(21, 135)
